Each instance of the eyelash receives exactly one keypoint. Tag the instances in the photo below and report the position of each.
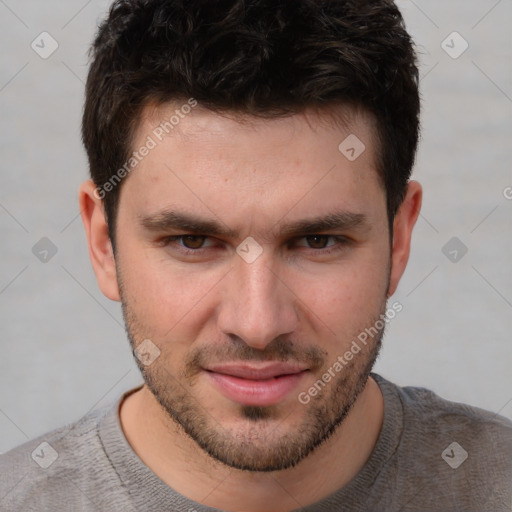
(341, 241)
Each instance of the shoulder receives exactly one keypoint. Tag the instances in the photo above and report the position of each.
(450, 451)
(433, 414)
(55, 471)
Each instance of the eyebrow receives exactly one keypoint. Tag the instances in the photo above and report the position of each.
(173, 220)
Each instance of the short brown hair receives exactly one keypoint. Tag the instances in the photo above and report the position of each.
(259, 57)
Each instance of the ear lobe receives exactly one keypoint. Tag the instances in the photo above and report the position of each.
(403, 225)
(98, 240)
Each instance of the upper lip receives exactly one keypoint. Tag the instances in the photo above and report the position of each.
(257, 372)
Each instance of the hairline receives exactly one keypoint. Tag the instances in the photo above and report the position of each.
(338, 113)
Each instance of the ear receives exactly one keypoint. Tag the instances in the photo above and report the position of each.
(403, 224)
(98, 240)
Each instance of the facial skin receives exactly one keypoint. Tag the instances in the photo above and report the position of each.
(302, 301)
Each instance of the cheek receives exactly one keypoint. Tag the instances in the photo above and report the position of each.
(346, 298)
(169, 300)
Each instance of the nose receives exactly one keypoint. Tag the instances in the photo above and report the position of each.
(257, 303)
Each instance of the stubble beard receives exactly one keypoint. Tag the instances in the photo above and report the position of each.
(261, 442)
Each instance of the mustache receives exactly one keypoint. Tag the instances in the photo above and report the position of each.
(279, 349)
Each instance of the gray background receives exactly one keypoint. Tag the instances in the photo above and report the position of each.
(63, 346)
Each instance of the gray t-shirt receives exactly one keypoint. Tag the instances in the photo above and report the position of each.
(431, 455)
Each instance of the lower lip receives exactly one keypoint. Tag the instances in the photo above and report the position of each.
(255, 392)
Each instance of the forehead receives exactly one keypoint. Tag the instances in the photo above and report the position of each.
(259, 166)
(347, 129)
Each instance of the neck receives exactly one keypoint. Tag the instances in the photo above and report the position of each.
(179, 462)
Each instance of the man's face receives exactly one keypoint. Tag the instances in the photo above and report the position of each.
(244, 325)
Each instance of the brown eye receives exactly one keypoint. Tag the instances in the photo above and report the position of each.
(317, 241)
(193, 241)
